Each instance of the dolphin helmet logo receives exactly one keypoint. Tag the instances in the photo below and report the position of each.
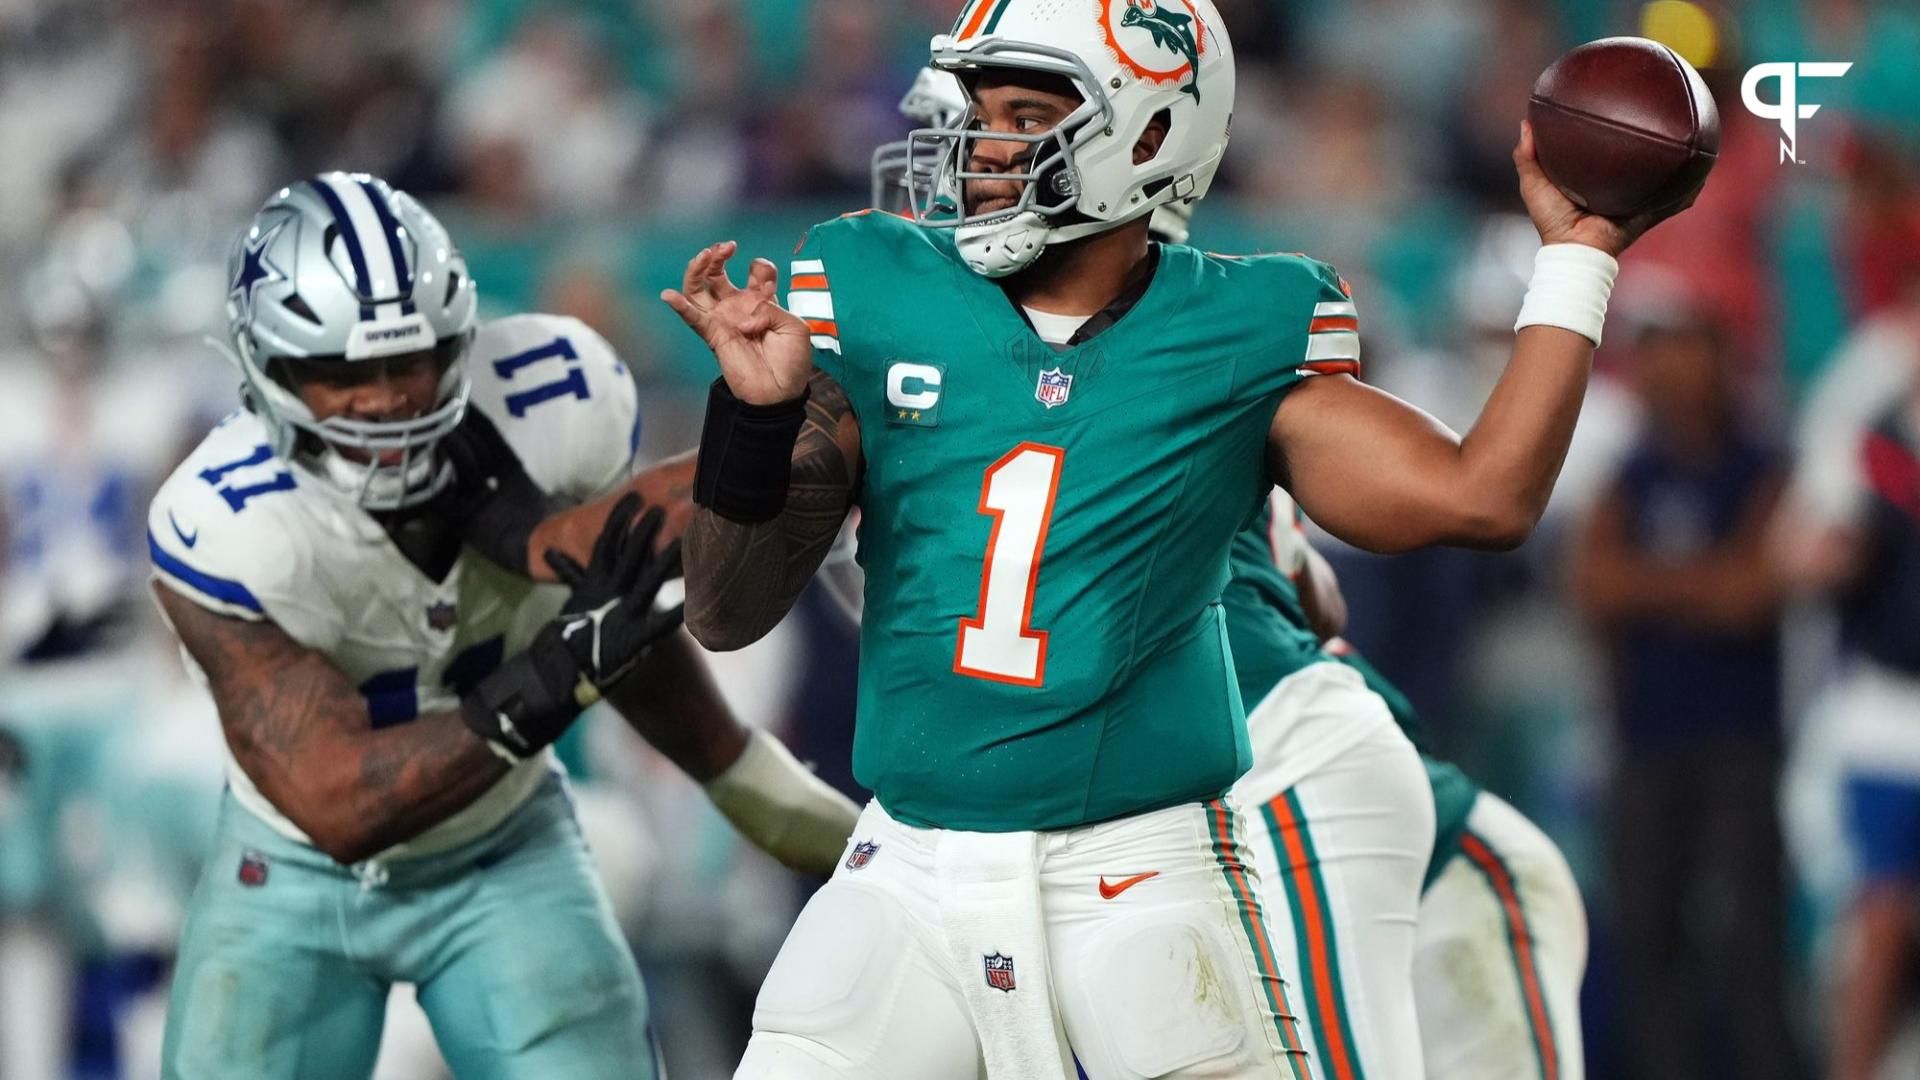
(1179, 32)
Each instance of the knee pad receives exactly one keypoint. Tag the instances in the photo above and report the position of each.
(1166, 993)
(837, 978)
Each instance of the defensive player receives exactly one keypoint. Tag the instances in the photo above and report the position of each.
(343, 562)
(1048, 713)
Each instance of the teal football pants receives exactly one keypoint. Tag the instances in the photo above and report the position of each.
(287, 958)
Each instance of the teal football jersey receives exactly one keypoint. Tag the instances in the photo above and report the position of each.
(1272, 640)
(1045, 533)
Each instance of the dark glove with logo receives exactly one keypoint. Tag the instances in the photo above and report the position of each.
(491, 502)
(598, 637)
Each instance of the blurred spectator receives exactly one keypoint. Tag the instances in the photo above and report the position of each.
(1852, 531)
(1671, 565)
(547, 126)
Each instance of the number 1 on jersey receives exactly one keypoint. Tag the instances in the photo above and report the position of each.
(1000, 642)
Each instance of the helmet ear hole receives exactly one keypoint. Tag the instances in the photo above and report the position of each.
(1154, 138)
(453, 287)
(301, 308)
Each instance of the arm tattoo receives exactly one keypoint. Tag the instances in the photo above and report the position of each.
(301, 732)
(743, 579)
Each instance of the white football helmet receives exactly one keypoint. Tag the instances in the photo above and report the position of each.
(338, 272)
(900, 174)
(1130, 60)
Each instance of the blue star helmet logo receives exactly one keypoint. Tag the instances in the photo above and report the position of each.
(256, 269)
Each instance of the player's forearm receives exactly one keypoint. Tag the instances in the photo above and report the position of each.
(386, 787)
(671, 700)
(743, 577)
(667, 484)
(1509, 461)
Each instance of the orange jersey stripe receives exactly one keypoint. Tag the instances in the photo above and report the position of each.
(824, 326)
(1324, 322)
(1496, 873)
(1332, 367)
(1269, 967)
(1317, 930)
(809, 281)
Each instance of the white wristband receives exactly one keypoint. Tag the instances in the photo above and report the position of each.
(1570, 287)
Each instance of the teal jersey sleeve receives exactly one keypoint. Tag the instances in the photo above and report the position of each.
(1314, 327)
(847, 281)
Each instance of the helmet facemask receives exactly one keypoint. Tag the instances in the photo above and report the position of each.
(1133, 63)
(905, 171)
(384, 465)
(1007, 240)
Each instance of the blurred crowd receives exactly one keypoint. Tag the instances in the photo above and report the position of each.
(1655, 678)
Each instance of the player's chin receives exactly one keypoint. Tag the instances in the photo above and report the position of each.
(987, 207)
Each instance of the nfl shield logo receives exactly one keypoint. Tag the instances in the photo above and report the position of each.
(253, 869)
(442, 616)
(862, 854)
(1053, 389)
(1000, 972)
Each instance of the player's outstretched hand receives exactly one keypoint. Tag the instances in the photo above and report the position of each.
(609, 620)
(765, 351)
(1561, 222)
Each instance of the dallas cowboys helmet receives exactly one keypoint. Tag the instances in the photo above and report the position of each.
(336, 274)
(1131, 61)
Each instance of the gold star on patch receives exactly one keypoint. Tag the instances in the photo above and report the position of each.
(903, 414)
(916, 414)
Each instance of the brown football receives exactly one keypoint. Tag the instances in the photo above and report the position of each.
(1623, 125)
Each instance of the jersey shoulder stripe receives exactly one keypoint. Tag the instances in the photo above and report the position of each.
(810, 297)
(218, 592)
(230, 530)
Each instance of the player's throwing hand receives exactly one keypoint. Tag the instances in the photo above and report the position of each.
(765, 351)
(1561, 222)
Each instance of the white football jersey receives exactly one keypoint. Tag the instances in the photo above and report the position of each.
(247, 534)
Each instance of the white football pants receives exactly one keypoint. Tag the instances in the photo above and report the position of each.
(1342, 851)
(1145, 955)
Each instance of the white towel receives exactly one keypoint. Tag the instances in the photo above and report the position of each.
(996, 934)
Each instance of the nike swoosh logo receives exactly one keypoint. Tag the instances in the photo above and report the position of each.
(1108, 892)
(182, 533)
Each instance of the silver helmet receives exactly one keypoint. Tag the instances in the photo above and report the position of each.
(338, 273)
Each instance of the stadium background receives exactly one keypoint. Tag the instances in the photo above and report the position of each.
(581, 151)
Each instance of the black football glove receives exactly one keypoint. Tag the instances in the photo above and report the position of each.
(491, 502)
(599, 636)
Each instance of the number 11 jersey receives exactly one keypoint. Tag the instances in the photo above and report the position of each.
(1045, 533)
